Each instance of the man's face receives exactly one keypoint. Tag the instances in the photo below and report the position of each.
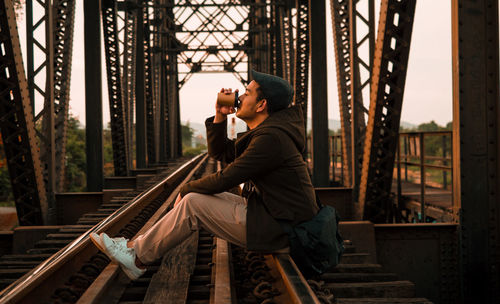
(249, 105)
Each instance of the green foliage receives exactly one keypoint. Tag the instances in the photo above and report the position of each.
(189, 152)
(75, 177)
(434, 144)
(107, 143)
(187, 135)
(187, 140)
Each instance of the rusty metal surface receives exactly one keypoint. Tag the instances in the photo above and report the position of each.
(61, 266)
(93, 96)
(387, 88)
(302, 55)
(45, 90)
(64, 19)
(119, 132)
(319, 94)
(361, 35)
(128, 74)
(426, 254)
(476, 146)
(17, 128)
(148, 83)
(341, 40)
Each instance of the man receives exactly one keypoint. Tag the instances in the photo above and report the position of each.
(268, 158)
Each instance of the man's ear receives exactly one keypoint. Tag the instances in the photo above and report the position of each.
(262, 106)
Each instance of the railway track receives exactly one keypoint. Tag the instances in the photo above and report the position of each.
(67, 268)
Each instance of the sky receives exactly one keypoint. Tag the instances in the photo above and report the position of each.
(428, 90)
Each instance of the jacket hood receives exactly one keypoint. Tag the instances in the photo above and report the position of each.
(289, 120)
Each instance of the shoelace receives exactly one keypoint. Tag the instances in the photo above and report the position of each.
(117, 246)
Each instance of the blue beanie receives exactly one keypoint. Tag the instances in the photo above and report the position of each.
(277, 91)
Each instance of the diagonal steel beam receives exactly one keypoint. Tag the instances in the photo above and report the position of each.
(17, 128)
(387, 87)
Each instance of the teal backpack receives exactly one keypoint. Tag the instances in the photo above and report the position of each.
(316, 245)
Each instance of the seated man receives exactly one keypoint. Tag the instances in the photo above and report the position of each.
(267, 158)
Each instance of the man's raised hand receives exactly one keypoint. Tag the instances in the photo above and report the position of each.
(221, 112)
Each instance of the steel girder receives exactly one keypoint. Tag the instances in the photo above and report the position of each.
(117, 112)
(258, 39)
(43, 88)
(156, 64)
(140, 105)
(213, 37)
(288, 40)
(361, 69)
(163, 129)
(302, 55)
(16, 126)
(350, 63)
(172, 113)
(387, 88)
(319, 95)
(64, 18)
(128, 74)
(476, 149)
(276, 39)
(341, 39)
(148, 84)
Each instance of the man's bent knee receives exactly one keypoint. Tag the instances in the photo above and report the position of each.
(193, 200)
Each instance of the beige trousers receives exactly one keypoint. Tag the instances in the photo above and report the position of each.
(223, 215)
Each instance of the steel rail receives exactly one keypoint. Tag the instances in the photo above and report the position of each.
(296, 285)
(55, 267)
(110, 278)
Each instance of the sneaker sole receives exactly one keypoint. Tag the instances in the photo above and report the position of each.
(129, 273)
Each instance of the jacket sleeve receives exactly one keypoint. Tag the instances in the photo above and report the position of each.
(262, 155)
(219, 146)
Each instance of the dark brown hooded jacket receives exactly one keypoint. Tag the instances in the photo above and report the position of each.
(269, 156)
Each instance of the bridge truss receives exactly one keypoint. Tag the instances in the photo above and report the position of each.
(153, 47)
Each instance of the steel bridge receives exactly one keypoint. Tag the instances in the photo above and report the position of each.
(153, 47)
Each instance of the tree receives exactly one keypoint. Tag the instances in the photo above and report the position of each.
(187, 135)
(76, 165)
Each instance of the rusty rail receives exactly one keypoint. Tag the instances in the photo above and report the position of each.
(39, 282)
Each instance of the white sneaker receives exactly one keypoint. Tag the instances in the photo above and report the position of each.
(97, 240)
(120, 253)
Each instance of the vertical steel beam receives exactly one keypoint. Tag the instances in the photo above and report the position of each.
(64, 16)
(276, 38)
(29, 53)
(48, 147)
(288, 43)
(302, 55)
(387, 87)
(41, 40)
(172, 88)
(148, 86)
(17, 127)
(476, 117)
(93, 95)
(319, 94)
(119, 135)
(340, 23)
(359, 62)
(140, 110)
(163, 119)
(128, 79)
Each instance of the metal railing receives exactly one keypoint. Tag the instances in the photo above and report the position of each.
(435, 146)
(412, 152)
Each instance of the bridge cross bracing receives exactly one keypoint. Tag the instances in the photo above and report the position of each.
(152, 48)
